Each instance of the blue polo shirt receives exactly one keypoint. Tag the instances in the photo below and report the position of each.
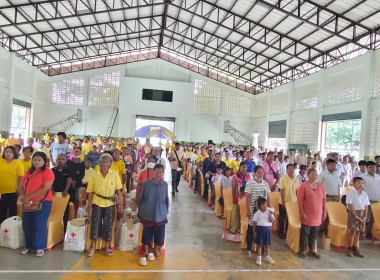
(250, 165)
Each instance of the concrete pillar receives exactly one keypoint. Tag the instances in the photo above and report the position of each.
(255, 141)
(8, 103)
(322, 88)
(291, 92)
(365, 104)
(34, 101)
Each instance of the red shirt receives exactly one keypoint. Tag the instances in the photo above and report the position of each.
(36, 182)
(312, 201)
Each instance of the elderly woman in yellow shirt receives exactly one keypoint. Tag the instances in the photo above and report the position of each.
(11, 172)
(102, 187)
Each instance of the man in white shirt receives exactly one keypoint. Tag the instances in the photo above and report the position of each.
(346, 172)
(330, 180)
(301, 159)
(230, 151)
(339, 165)
(292, 158)
(372, 188)
(59, 148)
(281, 163)
(176, 159)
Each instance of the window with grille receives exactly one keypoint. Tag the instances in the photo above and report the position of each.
(207, 99)
(375, 90)
(305, 133)
(68, 92)
(374, 137)
(260, 108)
(342, 136)
(344, 88)
(103, 90)
(305, 98)
(237, 106)
(279, 104)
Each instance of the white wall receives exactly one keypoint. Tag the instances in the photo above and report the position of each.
(154, 74)
(131, 104)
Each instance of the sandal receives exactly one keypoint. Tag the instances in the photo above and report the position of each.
(40, 253)
(315, 255)
(25, 251)
(109, 252)
(90, 252)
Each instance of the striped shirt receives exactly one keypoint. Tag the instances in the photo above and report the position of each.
(256, 190)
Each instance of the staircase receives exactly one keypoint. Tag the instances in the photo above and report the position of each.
(236, 134)
(66, 123)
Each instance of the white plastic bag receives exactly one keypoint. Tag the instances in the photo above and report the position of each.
(129, 236)
(75, 237)
(12, 235)
(81, 213)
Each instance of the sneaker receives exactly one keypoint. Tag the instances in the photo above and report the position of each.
(173, 193)
(151, 257)
(269, 260)
(249, 253)
(258, 260)
(25, 251)
(176, 190)
(143, 261)
(40, 253)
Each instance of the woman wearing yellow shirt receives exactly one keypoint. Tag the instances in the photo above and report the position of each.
(101, 188)
(236, 163)
(47, 137)
(118, 165)
(86, 145)
(11, 172)
(228, 161)
(27, 160)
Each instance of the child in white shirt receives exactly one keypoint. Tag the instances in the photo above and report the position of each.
(226, 182)
(262, 223)
(218, 177)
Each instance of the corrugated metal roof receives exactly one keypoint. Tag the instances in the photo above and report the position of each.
(252, 42)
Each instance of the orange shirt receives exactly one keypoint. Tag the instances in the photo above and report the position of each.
(36, 182)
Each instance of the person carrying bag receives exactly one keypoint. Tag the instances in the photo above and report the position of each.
(36, 197)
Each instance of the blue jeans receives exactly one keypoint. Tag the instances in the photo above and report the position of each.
(35, 229)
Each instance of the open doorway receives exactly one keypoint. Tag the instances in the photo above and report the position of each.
(20, 124)
(144, 124)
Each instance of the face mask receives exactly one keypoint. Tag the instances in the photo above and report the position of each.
(151, 165)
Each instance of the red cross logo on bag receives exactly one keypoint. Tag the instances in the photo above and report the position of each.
(73, 234)
(6, 231)
(131, 235)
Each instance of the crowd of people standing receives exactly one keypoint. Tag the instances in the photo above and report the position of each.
(108, 168)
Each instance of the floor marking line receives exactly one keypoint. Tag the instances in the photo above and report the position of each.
(187, 271)
(78, 263)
